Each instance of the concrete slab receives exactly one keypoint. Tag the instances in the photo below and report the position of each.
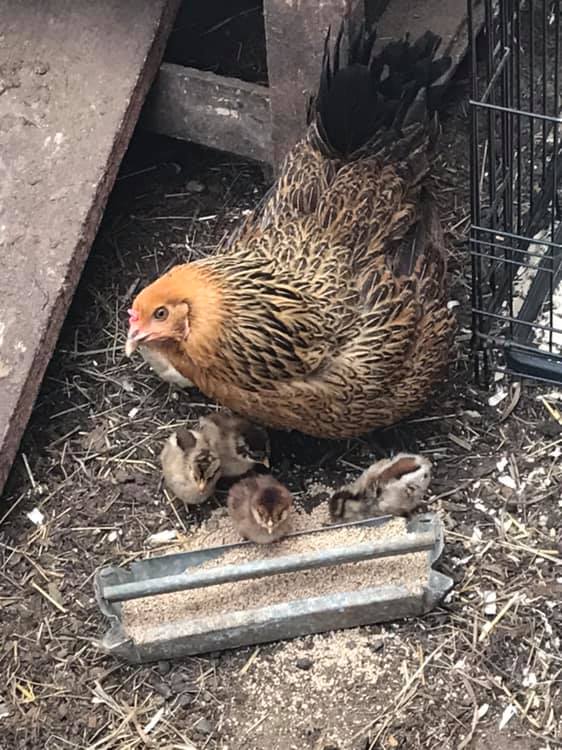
(73, 76)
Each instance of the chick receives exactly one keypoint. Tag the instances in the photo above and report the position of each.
(240, 444)
(259, 507)
(191, 467)
(394, 486)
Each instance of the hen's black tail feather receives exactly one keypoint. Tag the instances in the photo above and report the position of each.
(370, 93)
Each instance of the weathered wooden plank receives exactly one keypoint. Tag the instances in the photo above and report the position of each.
(223, 113)
(184, 101)
(374, 10)
(73, 76)
(447, 19)
(295, 34)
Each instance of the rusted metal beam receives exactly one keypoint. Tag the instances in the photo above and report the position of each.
(215, 111)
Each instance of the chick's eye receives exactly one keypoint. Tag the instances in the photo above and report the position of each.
(161, 313)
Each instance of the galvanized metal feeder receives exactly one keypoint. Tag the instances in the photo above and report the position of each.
(345, 609)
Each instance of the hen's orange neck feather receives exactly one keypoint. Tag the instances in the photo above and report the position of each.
(198, 286)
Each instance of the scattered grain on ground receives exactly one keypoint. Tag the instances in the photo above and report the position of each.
(311, 692)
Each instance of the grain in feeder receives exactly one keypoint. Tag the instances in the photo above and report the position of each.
(235, 594)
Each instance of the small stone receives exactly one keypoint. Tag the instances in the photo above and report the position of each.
(164, 667)
(123, 477)
(165, 691)
(377, 645)
(185, 700)
(41, 68)
(204, 726)
(304, 663)
(194, 186)
(472, 416)
(307, 644)
(177, 682)
(549, 429)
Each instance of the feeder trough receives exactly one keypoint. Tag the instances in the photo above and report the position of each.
(182, 635)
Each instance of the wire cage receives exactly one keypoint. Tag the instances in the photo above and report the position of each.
(516, 180)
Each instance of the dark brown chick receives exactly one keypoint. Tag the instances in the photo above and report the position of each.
(190, 466)
(240, 444)
(260, 507)
(394, 486)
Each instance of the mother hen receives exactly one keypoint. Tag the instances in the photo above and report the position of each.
(326, 312)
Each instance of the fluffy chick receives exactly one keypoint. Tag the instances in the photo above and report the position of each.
(240, 444)
(260, 507)
(190, 466)
(394, 486)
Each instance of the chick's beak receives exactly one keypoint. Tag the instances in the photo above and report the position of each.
(270, 526)
(266, 462)
(202, 484)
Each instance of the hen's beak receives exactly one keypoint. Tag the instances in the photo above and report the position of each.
(134, 338)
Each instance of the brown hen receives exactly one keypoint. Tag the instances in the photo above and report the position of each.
(326, 312)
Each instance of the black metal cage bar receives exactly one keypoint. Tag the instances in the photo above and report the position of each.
(516, 168)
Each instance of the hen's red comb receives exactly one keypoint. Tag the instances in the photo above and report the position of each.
(133, 316)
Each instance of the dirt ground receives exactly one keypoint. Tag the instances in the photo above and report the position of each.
(482, 671)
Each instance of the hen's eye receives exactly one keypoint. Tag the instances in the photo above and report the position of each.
(161, 313)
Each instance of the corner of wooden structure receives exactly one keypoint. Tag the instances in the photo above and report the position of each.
(295, 44)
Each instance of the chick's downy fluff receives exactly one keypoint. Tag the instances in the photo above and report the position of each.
(190, 465)
(394, 486)
(240, 444)
(326, 311)
(260, 508)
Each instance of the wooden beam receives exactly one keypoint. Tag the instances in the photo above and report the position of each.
(295, 34)
(374, 10)
(75, 75)
(263, 123)
(215, 111)
(448, 19)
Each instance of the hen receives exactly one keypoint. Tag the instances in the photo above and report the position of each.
(326, 312)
